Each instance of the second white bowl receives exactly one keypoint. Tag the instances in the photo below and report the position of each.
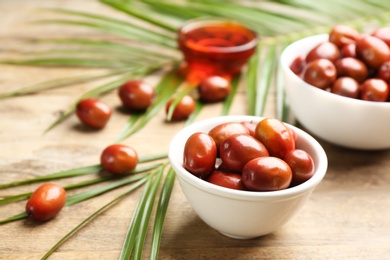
(343, 121)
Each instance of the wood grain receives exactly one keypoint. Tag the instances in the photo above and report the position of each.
(347, 217)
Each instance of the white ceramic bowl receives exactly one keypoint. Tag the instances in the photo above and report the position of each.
(343, 121)
(243, 214)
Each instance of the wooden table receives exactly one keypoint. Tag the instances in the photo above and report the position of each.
(347, 217)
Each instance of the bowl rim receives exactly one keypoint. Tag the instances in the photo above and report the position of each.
(178, 141)
(286, 55)
(201, 21)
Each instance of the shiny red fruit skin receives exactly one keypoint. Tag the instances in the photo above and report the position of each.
(46, 202)
(93, 113)
(200, 154)
(348, 50)
(373, 51)
(238, 149)
(136, 95)
(342, 35)
(222, 131)
(320, 73)
(183, 110)
(214, 89)
(375, 90)
(383, 33)
(325, 50)
(297, 65)
(351, 67)
(266, 174)
(251, 126)
(384, 71)
(275, 136)
(227, 179)
(293, 134)
(119, 159)
(347, 87)
(301, 164)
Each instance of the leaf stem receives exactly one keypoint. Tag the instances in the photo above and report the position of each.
(137, 229)
(19, 216)
(229, 100)
(26, 195)
(59, 175)
(149, 203)
(94, 215)
(161, 211)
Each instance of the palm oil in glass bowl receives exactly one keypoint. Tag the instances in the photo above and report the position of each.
(215, 46)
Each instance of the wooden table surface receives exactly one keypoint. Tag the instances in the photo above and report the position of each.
(347, 217)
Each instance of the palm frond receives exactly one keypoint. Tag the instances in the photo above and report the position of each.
(60, 82)
(183, 91)
(26, 195)
(137, 230)
(145, 13)
(92, 193)
(281, 106)
(164, 91)
(267, 68)
(161, 211)
(146, 43)
(98, 91)
(80, 172)
(198, 108)
(138, 174)
(126, 48)
(72, 62)
(59, 175)
(93, 216)
(112, 26)
(229, 100)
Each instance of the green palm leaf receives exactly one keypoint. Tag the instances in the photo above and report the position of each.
(165, 89)
(61, 82)
(54, 176)
(126, 48)
(266, 72)
(138, 226)
(113, 26)
(229, 100)
(26, 195)
(92, 193)
(161, 211)
(81, 171)
(144, 13)
(71, 62)
(185, 90)
(94, 215)
(138, 174)
(98, 91)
